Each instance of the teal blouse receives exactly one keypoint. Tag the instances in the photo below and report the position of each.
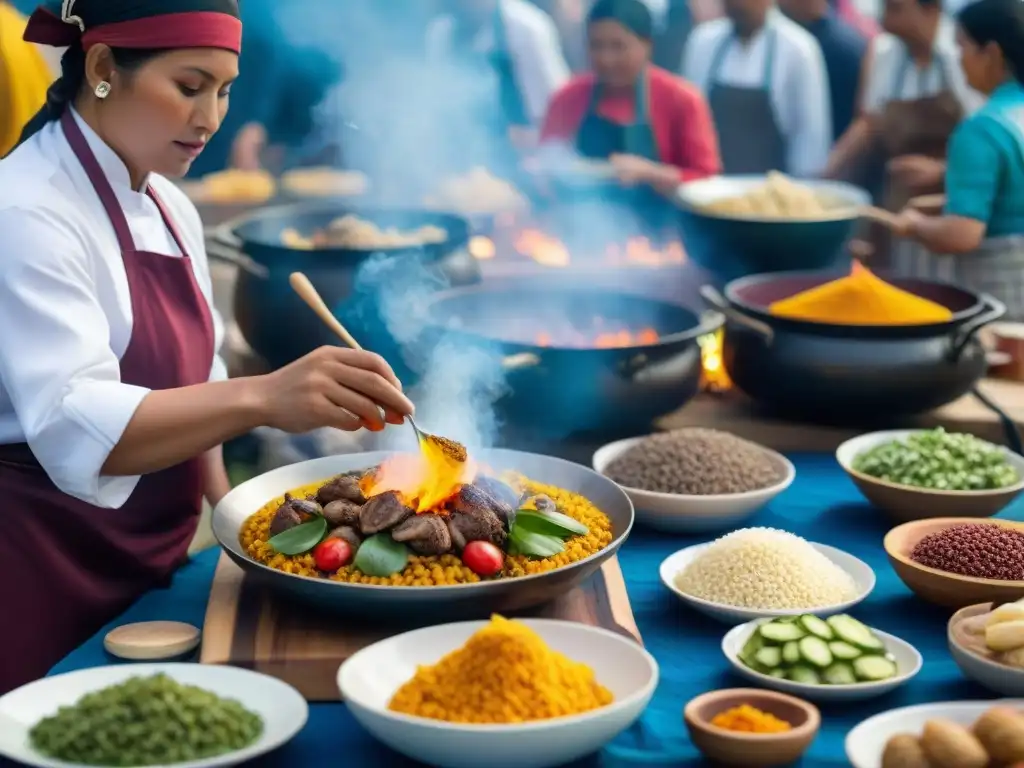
(985, 164)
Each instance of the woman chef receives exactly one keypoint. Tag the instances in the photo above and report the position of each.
(113, 403)
(978, 242)
(654, 127)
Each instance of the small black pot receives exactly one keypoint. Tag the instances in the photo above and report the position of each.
(277, 323)
(558, 391)
(850, 374)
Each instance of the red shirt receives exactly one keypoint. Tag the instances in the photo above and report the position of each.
(680, 119)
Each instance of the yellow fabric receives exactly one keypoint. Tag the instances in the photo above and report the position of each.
(24, 78)
(861, 298)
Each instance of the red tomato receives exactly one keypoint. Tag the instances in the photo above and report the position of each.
(483, 558)
(331, 554)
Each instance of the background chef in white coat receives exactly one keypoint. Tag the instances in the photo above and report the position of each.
(765, 80)
(506, 62)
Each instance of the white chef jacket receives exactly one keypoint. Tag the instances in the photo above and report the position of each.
(65, 307)
(798, 84)
(889, 55)
(533, 46)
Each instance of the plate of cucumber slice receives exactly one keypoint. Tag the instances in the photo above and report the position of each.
(833, 659)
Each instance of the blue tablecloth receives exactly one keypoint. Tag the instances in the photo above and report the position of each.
(822, 505)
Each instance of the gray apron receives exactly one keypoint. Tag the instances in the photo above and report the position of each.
(996, 267)
(749, 136)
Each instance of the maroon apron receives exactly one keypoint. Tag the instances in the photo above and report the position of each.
(68, 567)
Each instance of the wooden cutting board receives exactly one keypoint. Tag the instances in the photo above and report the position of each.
(248, 627)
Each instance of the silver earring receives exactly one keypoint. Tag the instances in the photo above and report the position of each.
(102, 90)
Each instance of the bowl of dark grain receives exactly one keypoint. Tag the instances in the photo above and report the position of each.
(694, 480)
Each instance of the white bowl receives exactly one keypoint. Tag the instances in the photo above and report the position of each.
(999, 678)
(370, 678)
(861, 572)
(865, 743)
(908, 664)
(682, 513)
(282, 708)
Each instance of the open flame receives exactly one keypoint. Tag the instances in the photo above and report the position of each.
(715, 378)
(549, 251)
(424, 480)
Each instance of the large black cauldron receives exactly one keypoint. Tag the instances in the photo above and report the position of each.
(561, 390)
(850, 374)
(278, 325)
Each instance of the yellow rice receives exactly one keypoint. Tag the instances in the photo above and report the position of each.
(423, 571)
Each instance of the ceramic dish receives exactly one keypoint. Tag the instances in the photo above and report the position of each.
(681, 513)
(861, 572)
(1000, 678)
(864, 744)
(751, 749)
(282, 708)
(908, 663)
(939, 587)
(370, 678)
(903, 503)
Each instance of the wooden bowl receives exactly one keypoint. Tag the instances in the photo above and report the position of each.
(903, 503)
(949, 590)
(751, 749)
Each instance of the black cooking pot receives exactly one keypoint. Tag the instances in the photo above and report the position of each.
(278, 325)
(561, 390)
(841, 373)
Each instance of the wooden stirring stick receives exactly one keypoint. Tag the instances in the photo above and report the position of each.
(301, 285)
(887, 218)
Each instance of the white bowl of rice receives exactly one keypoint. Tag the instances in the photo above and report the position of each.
(763, 572)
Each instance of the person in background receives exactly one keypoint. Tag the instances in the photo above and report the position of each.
(847, 11)
(24, 77)
(510, 56)
(765, 79)
(274, 99)
(980, 234)
(915, 94)
(843, 47)
(654, 127)
(670, 40)
(114, 403)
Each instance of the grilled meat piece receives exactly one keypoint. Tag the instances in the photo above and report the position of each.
(342, 512)
(293, 512)
(383, 511)
(341, 488)
(497, 490)
(473, 518)
(426, 534)
(349, 534)
(471, 497)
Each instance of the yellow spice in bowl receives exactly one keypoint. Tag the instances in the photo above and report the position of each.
(504, 674)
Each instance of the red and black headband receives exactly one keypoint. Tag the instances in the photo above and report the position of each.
(155, 24)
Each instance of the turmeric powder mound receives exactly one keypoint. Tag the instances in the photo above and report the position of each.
(504, 674)
(861, 298)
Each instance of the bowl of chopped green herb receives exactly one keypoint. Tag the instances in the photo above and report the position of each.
(917, 474)
(185, 715)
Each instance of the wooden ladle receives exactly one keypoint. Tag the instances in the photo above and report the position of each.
(880, 215)
(304, 288)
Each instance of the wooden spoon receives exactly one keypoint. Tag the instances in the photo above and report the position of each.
(304, 288)
(887, 218)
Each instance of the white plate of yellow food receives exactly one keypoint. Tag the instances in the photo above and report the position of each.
(987, 643)
(757, 573)
(42, 725)
(232, 187)
(324, 182)
(964, 734)
(831, 659)
(419, 692)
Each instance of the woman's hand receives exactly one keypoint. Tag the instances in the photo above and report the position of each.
(907, 222)
(248, 147)
(632, 169)
(917, 172)
(333, 387)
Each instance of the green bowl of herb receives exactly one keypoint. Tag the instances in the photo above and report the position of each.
(915, 474)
